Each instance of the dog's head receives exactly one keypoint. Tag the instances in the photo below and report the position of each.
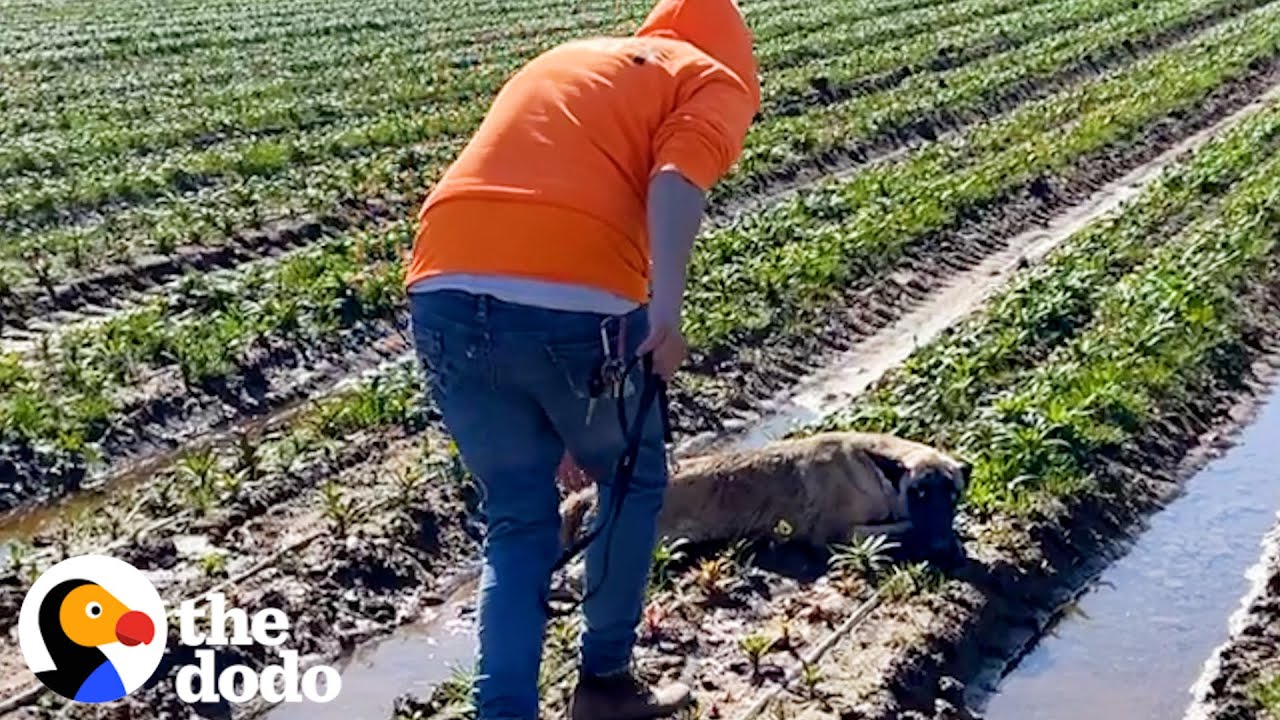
(930, 485)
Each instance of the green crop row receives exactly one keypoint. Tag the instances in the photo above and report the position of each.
(61, 172)
(831, 38)
(56, 99)
(105, 40)
(749, 278)
(288, 186)
(209, 329)
(1041, 309)
(965, 91)
(904, 53)
(203, 479)
(319, 23)
(769, 270)
(1035, 395)
(368, 82)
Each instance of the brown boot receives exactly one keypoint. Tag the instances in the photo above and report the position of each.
(623, 697)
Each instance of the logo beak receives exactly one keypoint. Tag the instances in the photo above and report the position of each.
(135, 628)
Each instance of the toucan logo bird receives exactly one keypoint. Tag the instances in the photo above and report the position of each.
(92, 629)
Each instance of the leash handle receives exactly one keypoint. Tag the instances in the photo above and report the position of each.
(654, 390)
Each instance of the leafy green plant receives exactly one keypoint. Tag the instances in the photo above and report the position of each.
(213, 564)
(867, 556)
(455, 697)
(1267, 694)
(562, 637)
(22, 561)
(906, 581)
(201, 476)
(811, 676)
(665, 554)
(408, 483)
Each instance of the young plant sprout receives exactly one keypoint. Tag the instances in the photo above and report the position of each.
(866, 557)
(342, 511)
(755, 647)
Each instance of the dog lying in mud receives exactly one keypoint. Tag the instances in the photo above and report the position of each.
(824, 488)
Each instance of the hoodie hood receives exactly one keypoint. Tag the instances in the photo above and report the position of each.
(715, 27)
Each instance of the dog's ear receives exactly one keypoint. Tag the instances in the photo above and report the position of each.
(966, 474)
(892, 469)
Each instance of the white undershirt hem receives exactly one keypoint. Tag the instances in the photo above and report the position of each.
(537, 293)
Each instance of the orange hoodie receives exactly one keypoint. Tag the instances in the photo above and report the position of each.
(553, 184)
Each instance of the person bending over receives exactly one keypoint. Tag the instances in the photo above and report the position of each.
(570, 213)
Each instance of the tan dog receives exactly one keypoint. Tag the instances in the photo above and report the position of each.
(823, 488)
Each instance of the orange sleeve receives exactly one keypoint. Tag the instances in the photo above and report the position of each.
(703, 137)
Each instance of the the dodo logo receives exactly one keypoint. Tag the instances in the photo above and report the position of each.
(92, 628)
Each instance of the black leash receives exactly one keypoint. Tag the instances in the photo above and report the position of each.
(654, 390)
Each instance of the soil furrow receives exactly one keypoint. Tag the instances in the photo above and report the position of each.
(342, 579)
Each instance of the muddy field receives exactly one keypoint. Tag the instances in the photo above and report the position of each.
(314, 477)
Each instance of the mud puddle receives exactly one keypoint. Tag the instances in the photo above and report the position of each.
(415, 659)
(25, 523)
(1135, 642)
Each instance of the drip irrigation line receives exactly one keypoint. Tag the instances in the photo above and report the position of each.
(815, 654)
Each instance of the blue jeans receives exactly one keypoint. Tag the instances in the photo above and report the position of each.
(512, 383)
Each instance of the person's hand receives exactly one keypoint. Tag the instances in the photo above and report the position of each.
(571, 477)
(667, 343)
